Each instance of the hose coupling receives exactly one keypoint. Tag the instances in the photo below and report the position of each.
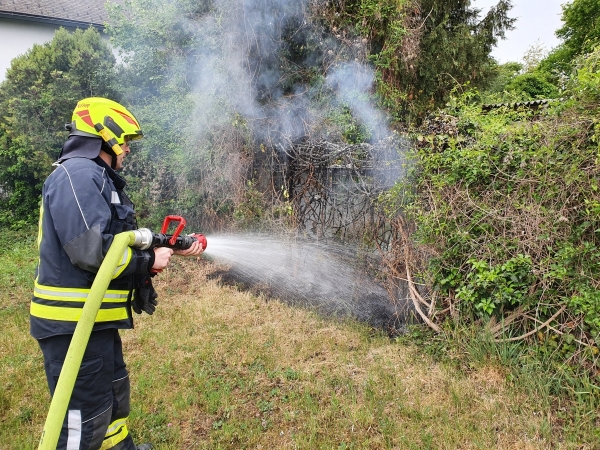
(143, 238)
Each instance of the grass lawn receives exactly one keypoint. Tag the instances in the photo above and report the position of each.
(216, 368)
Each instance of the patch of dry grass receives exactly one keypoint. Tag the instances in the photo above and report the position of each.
(219, 368)
(232, 370)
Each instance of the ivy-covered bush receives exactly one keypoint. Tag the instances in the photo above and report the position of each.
(507, 208)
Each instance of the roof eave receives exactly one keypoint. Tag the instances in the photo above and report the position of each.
(50, 20)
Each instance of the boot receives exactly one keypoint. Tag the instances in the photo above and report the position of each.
(144, 447)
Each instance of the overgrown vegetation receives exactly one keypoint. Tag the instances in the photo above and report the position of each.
(506, 212)
(495, 227)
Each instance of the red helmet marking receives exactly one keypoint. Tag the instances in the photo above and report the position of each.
(128, 118)
(85, 116)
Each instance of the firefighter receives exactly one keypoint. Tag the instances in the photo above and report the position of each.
(83, 206)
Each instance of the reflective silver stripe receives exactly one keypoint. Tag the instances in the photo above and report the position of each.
(75, 294)
(37, 290)
(110, 407)
(115, 426)
(124, 260)
(124, 263)
(103, 179)
(74, 426)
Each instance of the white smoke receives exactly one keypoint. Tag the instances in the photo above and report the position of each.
(239, 74)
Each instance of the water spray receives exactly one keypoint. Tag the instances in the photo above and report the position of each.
(320, 276)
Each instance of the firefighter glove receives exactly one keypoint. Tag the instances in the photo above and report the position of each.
(144, 298)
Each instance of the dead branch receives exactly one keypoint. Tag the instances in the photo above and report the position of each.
(414, 293)
(541, 327)
(495, 330)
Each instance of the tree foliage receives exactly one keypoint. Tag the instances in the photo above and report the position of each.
(533, 85)
(163, 54)
(36, 99)
(581, 34)
(502, 75)
(423, 49)
(516, 82)
(581, 29)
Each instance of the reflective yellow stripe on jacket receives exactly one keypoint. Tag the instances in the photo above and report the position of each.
(114, 304)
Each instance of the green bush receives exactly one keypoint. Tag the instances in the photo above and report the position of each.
(533, 85)
(497, 288)
(587, 80)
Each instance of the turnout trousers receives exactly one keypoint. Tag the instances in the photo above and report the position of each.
(99, 406)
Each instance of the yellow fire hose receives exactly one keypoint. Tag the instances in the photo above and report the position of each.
(81, 336)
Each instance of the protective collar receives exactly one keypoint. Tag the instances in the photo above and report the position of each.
(80, 147)
(117, 179)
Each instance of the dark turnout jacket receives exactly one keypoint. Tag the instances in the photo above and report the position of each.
(83, 207)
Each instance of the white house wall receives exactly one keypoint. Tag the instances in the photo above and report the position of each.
(18, 36)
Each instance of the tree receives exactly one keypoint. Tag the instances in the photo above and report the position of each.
(36, 99)
(581, 33)
(424, 49)
(503, 74)
(581, 30)
(456, 46)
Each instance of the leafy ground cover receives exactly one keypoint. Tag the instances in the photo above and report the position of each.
(219, 368)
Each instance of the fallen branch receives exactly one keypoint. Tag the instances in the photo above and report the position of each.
(506, 321)
(414, 293)
(559, 332)
(544, 325)
(416, 298)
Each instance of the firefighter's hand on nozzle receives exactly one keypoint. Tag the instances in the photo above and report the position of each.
(195, 250)
(162, 256)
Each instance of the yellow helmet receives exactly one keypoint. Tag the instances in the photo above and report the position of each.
(97, 116)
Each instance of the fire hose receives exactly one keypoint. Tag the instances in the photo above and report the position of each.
(142, 239)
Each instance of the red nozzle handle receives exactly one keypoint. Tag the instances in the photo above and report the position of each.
(178, 230)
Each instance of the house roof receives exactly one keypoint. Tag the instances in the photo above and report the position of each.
(82, 13)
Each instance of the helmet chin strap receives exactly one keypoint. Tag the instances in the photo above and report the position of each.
(107, 149)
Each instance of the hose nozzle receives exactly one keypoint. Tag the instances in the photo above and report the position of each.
(146, 239)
